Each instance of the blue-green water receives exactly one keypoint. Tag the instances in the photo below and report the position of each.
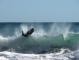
(46, 37)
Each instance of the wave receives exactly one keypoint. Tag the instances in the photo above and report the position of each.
(46, 37)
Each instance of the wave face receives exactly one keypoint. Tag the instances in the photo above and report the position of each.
(47, 37)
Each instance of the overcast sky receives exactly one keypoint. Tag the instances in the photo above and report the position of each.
(39, 10)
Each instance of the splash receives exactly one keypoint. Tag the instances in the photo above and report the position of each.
(39, 33)
(66, 32)
(60, 28)
(55, 30)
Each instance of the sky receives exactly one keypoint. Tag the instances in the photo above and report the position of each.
(39, 10)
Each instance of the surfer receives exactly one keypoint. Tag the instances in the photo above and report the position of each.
(29, 32)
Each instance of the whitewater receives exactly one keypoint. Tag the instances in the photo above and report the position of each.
(50, 41)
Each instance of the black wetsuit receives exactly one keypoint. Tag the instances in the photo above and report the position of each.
(28, 32)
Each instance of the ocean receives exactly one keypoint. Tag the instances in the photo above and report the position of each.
(49, 41)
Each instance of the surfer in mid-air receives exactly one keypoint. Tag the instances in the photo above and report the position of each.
(28, 33)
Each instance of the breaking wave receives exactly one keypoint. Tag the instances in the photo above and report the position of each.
(46, 37)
